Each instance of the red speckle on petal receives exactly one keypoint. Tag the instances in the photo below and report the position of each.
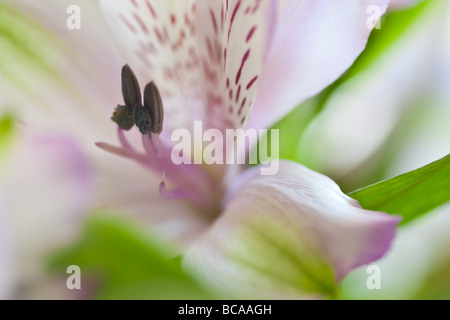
(258, 3)
(158, 35)
(236, 8)
(165, 34)
(250, 34)
(222, 17)
(210, 48)
(152, 10)
(134, 3)
(141, 23)
(244, 59)
(214, 22)
(250, 84)
(224, 58)
(173, 19)
(242, 106)
(238, 93)
(186, 20)
(127, 24)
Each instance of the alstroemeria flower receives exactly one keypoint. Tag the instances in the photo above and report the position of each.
(215, 61)
(235, 64)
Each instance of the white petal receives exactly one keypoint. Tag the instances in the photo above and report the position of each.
(314, 43)
(57, 77)
(6, 270)
(45, 187)
(289, 235)
(364, 111)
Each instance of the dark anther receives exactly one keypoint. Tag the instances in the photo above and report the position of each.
(153, 103)
(123, 116)
(130, 87)
(142, 118)
(148, 117)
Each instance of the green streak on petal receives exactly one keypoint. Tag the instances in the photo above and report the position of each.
(32, 56)
(7, 130)
(26, 37)
(25, 49)
(282, 258)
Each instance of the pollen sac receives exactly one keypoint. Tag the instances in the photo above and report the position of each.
(142, 118)
(131, 91)
(153, 103)
(123, 116)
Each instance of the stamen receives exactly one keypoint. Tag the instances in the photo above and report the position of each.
(123, 116)
(142, 118)
(192, 182)
(131, 91)
(153, 103)
(123, 140)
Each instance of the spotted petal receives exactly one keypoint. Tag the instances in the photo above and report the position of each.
(290, 235)
(205, 56)
(314, 43)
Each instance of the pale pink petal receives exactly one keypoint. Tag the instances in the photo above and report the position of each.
(46, 187)
(6, 272)
(289, 235)
(314, 43)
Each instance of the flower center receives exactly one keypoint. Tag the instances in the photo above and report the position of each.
(192, 182)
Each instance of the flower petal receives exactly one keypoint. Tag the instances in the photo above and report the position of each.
(157, 39)
(55, 77)
(399, 4)
(205, 56)
(5, 258)
(293, 234)
(234, 35)
(314, 43)
(46, 186)
(134, 191)
(366, 109)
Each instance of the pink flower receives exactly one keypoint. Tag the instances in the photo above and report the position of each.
(237, 64)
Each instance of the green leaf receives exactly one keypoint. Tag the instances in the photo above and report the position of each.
(411, 194)
(127, 263)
